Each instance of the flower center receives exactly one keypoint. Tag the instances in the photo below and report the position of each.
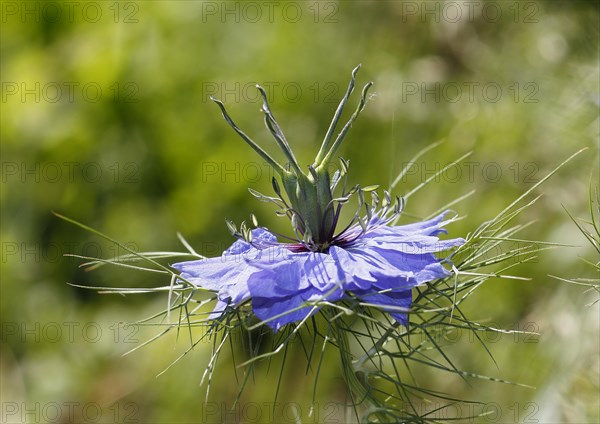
(310, 204)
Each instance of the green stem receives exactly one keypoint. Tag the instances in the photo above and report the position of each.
(359, 387)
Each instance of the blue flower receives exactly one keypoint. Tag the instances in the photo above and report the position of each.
(369, 259)
(287, 283)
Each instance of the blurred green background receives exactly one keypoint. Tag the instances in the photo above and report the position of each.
(106, 119)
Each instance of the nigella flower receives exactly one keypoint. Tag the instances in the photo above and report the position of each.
(288, 283)
(369, 260)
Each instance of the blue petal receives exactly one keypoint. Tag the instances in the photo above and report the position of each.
(416, 244)
(322, 271)
(357, 269)
(399, 301)
(278, 312)
(260, 237)
(293, 273)
(431, 227)
(283, 286)
(227, 275)
(385, 269)
(278, 279)
(414, 269)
